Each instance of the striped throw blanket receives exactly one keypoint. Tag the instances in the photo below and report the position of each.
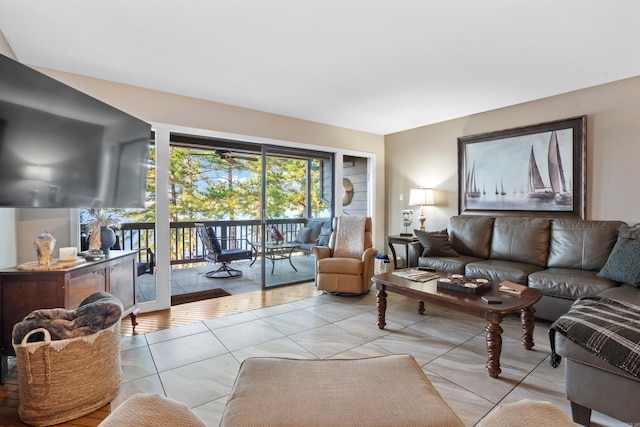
(607, 328)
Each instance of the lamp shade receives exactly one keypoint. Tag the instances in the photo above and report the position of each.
(421, 197)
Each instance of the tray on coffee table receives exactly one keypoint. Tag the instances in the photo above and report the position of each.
(460, 283)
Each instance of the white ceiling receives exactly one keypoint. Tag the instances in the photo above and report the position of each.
(380, 66)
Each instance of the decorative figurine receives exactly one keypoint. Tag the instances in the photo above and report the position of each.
(407, 220)
(275, 235)
(44, 245)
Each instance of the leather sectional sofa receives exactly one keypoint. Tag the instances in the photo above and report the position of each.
(561, 257)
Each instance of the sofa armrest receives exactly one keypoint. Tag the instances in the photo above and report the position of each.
(414, 251)
(368, 254)
(321, 252)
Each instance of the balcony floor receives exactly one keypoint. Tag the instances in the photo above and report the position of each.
(191, 277)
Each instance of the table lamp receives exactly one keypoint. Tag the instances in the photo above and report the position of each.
(421, 197)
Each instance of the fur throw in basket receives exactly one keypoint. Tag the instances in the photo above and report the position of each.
(64, 379)
(96, 312)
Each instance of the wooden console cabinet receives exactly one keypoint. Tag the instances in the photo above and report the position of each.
(21, 291)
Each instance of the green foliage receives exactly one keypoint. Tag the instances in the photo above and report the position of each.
(203, 186)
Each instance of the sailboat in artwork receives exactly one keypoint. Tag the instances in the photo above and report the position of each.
(535, 186)
(471, 186)
(556, 173)
(558, 189)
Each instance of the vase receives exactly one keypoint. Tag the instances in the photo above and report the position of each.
(107, 239)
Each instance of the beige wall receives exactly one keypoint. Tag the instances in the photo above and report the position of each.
(427, 156)
(160, 107)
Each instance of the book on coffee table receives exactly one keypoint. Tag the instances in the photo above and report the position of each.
(512, 288)
(415, 275)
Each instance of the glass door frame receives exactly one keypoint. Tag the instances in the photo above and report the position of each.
(268, 150)
(162, 134)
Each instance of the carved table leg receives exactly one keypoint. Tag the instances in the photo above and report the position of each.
(393, 254)
(382, 307)
(420, 307)
(134, 321)
(494, 348)
(528, 322)
(4, 369)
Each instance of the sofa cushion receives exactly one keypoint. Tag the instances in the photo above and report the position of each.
(569, 282)
(325, 234)
(623, 264)
(580, 244)
(339, 265)
(471, 234)
(304, 235)
(498, 270)
(214, 240)
(316, 228)
(569, 349)
(435, 243)
(453, 265)
(523, 240)
(626, 293)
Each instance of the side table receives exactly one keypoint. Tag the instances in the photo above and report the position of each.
(400, 240)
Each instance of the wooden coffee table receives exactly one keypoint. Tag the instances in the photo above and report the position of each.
(465, 303)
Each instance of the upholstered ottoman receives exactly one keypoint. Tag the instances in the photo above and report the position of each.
(526, 413)
(152, 410)
(380, 391)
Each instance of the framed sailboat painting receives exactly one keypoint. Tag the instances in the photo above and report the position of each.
(536, 170)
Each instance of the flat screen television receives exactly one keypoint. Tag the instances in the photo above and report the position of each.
(60, 148)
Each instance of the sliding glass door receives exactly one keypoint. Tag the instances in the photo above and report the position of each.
(297, 188)
(275, 201)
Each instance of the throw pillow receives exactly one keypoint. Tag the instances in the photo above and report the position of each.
(316, 227)
(303, 235)
(323, 238)
(435, 243)
(623, 264)
(214, 240)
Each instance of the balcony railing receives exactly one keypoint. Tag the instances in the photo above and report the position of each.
(186, 246)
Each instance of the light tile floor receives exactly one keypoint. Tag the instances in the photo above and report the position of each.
(197, 363)
(191, 277)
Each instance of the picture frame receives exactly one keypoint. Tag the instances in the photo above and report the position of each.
(537, 170)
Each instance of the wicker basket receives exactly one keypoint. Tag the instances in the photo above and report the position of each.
(386, 265)
(62, 380)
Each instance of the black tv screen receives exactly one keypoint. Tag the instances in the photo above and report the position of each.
(62, 148)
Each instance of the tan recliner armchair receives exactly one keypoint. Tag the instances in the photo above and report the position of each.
(346, 265)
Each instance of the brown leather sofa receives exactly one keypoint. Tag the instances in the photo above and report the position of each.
(561, 257)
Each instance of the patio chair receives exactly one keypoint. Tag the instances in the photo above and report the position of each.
(149, 264)
(215, 254)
